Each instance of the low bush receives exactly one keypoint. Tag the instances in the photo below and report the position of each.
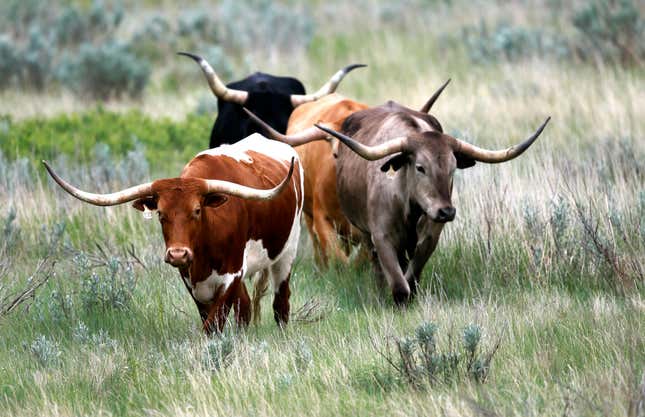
(217, 352)
(132, 141)
(46, 351)
(105, 71)
(611, 29)
(75, 47)
(419, 360)
(507, 42)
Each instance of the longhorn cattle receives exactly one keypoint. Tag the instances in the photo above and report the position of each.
(324, 218)
(272, 98)
(234, 211)
(402, 203)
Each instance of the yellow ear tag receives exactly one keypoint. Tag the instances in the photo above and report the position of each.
(390, 172)
(147, 213)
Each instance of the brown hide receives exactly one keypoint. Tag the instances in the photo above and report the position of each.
(322, 211)
(217, 237)
(226, 228)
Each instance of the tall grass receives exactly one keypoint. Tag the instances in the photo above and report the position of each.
(547, 253)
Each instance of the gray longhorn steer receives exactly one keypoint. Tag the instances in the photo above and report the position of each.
(402, 203)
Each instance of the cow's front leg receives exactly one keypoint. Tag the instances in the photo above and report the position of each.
(389, 262)
(217, 315)
(201, 308)
(429, 233)
(242, 304)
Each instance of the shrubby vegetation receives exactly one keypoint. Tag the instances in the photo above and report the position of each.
(133, 137)
(74, 47)
(85, 50)
(613, 30)
(419, 359)
(546, 251)
(508, 42)
(607, 30)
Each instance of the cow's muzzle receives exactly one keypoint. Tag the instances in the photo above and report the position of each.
(445, 214)
(179, 257)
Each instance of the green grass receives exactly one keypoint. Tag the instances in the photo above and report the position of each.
(547, 251)
(566, 344)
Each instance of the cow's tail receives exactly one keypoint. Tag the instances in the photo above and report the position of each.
(260, 287)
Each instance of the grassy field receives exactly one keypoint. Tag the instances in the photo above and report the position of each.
(545, 260)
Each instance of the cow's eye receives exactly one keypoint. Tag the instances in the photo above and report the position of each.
(421, 169)
(198, 211)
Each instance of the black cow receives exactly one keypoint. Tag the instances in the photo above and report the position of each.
(271, 98)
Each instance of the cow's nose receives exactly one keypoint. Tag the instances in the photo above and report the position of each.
(446, 214)
(179, 256)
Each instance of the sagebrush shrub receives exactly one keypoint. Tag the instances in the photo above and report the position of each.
(217, 352)
(507, 42)
(75, 47)
(268, 26)
(611, 29)
(303, 357)
(9, 62)
(105, 71)
(113, 289)
(46, 351)
(419, 360)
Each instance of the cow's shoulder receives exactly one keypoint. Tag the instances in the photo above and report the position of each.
(257, 143)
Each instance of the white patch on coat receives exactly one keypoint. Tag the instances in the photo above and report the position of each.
(204, 291)
(256, 257)
(285, 259)
(257, 143)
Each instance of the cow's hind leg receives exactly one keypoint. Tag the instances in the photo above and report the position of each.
(329, 244)
(260, 287)
(309, 221)
(280, 273)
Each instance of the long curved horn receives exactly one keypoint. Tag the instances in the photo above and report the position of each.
(426, 107)
(249, 193)
(494, 157)
(308, 135)
(112, 199)
(328, 88)
(371, 153)
(217, 86)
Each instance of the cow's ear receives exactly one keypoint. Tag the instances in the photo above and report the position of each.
(464, 161)
(215, 200)
(396, 162)
(149, 203)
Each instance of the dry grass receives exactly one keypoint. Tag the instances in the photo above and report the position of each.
(573, 332)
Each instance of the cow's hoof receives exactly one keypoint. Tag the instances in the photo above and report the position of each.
(401, 295)
(282, 323)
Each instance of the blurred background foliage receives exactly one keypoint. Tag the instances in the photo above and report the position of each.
(66, 65)
(105, 49)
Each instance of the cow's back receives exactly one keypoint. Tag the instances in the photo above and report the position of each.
(316, 157)
(269, 98)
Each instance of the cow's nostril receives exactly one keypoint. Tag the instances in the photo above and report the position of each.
(447, 214)
(179, 256)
